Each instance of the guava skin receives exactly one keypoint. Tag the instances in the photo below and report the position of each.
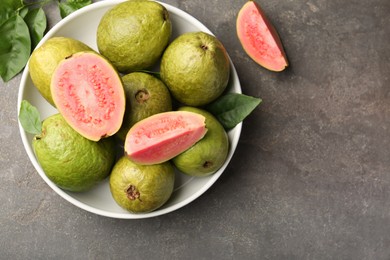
(196, 69)
(209, 154)
(134, 34)
(69, 160)
(44, 60)
(146, 95)
(141, 188)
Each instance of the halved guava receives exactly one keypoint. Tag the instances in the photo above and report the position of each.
(162, 136)
(259, 37)
(88, 92)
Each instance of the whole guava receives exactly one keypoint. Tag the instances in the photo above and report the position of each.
(146, 95)
(207, 155)
(195, 67)
(69, 160)
(45, 58)
(134, 34)
(141, 188)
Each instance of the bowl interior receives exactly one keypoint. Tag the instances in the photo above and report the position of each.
(82, 25)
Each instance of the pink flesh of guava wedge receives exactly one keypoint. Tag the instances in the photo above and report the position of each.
(161, 137)
(259, 38)
(89, 94)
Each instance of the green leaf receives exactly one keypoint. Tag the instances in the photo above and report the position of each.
(15, 47)
(232, 108)
(36, 22)
(70, 6)
(23, 12)
(9, 8)
(30, 118)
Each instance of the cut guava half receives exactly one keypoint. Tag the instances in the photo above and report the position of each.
(88, 92)
(259, 38)
(162, 136)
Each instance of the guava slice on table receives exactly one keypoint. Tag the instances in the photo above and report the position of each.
(141, 188)
(259, 37)
(44, 60)
(162, 136)
(69, 160)
(88, 92)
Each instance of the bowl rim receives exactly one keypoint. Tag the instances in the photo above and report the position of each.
(126, 215)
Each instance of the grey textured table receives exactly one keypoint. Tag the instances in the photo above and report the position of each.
(310, 178)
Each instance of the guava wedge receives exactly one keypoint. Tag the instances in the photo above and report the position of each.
(88, 92)
(259, 38)
(162, 136)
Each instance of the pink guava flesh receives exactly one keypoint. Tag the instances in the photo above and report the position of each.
(89, 94)
(259, 38)
(161, 137)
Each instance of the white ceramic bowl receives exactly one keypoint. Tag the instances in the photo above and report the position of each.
(82, 25)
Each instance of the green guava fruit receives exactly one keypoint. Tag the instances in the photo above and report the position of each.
(195, 67)
(162, 136)
(141, 188)
(259, 37)
(69, 160)
(88, 92)
(209, 154)
(146, 95)
(45, 59)
(134, 34)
